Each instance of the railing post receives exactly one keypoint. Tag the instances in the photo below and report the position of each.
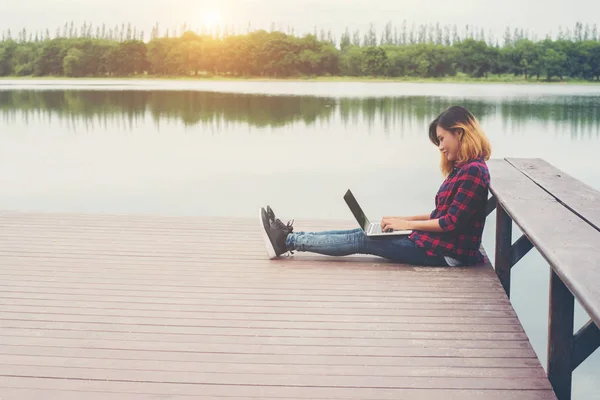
(503, 247)
(560, 337)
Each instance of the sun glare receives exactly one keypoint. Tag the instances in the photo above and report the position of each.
(212, 18)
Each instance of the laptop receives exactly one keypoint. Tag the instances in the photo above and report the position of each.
(370, 228)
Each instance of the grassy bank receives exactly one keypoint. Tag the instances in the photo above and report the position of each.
(507, 79)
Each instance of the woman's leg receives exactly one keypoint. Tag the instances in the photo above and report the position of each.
(340, 232)
(399, 249)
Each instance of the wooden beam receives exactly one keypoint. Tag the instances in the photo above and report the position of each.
(491, 205)
(503, 248)
(519, 249)
(585, 342)
(560, 337)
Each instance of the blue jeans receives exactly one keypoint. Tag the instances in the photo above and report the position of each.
(399, 249)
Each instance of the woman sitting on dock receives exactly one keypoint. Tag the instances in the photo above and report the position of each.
(449, 236)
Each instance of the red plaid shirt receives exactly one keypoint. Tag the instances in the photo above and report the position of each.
(460, 207)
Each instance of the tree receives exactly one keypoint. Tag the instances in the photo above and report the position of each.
(23, 59)
(553, 63)
(422, 38)
(579, 32)
(594, 55)
(7, 49)
(387, 38)
(476, 58)
(447, 38)
(50, 60)
(374, 62)
(72, 61)
(370, 38)
(351, 61)
(438, 34)
(455, 37)
(345, 41)
(356, 38)
(507, 37)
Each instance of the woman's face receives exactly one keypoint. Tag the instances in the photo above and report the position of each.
(449, 143)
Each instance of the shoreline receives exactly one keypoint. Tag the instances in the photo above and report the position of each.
(322, 79)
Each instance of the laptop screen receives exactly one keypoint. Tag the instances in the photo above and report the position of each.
(356, 210)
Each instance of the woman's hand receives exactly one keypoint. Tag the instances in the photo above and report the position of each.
(395, 223)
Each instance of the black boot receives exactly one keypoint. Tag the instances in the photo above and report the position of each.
(274, 233)
(271, 215)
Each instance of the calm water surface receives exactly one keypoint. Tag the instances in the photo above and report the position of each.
(226, 148)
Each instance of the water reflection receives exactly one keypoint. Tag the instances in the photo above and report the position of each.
(89, 110)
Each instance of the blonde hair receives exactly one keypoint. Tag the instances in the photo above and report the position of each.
(473, 141)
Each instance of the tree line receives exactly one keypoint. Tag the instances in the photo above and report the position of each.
(423, 51)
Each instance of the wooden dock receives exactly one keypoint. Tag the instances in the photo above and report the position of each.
(132, 307)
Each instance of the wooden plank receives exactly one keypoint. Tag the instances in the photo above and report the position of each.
(281, 379)
(75, 354)
(43, 328)
(27, 362)
(178, 318)
(223, 227)
(580, 198)
(570, 245)
(35, 394)
(451, 311)
(230, 277)
(248, 294)
(233, 279)
(524, 350)
(79, 389)
(431, 324)
(406, 302)
(119, 355)
(200, 298)
(271, 325)
(269, 340)
(262, 287)
(139, 219)
(341, 267)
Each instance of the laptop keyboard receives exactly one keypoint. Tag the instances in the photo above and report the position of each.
(375, 228)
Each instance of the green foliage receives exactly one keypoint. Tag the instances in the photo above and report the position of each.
(428, 52)
(72, 63)
(7, 51)
(374, 62)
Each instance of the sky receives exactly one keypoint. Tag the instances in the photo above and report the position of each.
(538, 16)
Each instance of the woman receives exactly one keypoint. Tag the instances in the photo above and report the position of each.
(449, 236)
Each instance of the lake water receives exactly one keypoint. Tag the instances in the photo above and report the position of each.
(226, 148)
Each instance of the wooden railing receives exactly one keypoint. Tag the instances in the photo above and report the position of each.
(560, 217)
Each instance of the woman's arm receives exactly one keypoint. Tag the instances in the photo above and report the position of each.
(470, 188)
(424, 217)
(432, 225)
